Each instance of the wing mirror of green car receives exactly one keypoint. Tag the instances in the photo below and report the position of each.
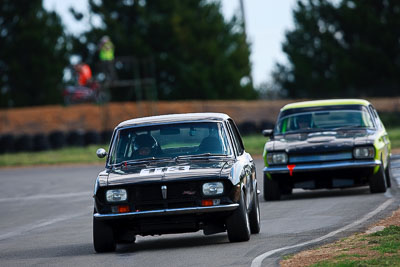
(101, 153)
(267, 132)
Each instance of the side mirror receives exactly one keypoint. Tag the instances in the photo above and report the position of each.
(101, 153)
(267, 132)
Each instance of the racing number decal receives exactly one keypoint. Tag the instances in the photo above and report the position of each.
(158, 171)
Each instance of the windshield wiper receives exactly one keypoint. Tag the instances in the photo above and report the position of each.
(200, 156)
(309, 130)
(349, 127)
(140, 161)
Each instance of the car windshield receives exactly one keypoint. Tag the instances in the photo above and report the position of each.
(305, 121)
(169, 141)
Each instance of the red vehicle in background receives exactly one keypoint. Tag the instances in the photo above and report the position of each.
(85, 88)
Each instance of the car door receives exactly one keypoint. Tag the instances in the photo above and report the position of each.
(382, 135)
(248, 173)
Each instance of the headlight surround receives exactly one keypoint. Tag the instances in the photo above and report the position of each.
(116, 195)
(277, 158)
(213, 188)
(365, 152)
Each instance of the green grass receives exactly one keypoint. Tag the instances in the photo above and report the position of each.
(394, 136)
(254, 145)
(386, 242)
(381, 261)
(71, 155)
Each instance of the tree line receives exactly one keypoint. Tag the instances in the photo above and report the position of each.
(195, 53)
(344, 48)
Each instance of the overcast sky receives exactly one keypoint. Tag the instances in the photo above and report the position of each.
(266, 23)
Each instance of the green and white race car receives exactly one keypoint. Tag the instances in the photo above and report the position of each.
(326, 144)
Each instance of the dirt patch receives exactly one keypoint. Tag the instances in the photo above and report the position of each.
(354, 247)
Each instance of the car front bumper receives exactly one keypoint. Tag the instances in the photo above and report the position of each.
(321, 166)
(155, 213)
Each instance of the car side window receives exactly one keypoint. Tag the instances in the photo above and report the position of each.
(237, 138)
(376, 117)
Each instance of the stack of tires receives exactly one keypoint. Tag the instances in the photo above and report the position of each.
(10, 143)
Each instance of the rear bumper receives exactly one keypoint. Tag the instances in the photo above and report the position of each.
(323, 166)
(163, 212)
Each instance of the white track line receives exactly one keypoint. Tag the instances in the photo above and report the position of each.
(46, 196)
(259, 259)
(39, 224)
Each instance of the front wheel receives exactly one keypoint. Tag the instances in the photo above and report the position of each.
(103, 237)
(238, 225)
(271, 189)
(388, 173)
(377, 181)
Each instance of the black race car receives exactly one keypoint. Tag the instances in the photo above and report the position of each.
(326, 144)
(175, 174)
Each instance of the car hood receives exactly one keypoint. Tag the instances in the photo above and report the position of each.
(169, 171)
(321, 141)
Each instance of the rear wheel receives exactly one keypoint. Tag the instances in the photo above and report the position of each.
(271, 189)
(238, 225)
(377, 181)
(103, 237)
(254, 215)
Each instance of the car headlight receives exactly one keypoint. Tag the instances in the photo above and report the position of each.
(366, 152)
(116, 195)
(277, 158)
(212, 189)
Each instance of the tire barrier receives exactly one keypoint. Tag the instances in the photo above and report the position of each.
(106, 136)
(23, 143)
(57, 140)
(247, 127)
(40, 142)
(75, 138)
(92, 138)
(7, 143)
(265, 125)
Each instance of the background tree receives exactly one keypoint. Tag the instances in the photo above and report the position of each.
(32, 54)
(197, 54)
(344, 48)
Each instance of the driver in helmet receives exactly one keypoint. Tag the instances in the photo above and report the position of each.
(145, 146)
(304, 121)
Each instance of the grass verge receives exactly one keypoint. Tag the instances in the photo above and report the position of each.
(70, 155)
(381, 248)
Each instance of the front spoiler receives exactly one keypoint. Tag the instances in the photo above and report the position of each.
(325, 166)
(150, 213)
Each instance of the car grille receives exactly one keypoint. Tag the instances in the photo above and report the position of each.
(179, 195)
(320, 157)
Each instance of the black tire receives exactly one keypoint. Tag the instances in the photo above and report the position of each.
(238, 224)
(286, 188)
(103, 237)
(40, 142)
(377, 181)
(57, 139)
(7, 143)
(91, 138)
(23, 143)
(271, 189)
(254, 215)
(388, 173)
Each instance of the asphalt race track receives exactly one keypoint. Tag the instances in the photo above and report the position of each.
(46, 219)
